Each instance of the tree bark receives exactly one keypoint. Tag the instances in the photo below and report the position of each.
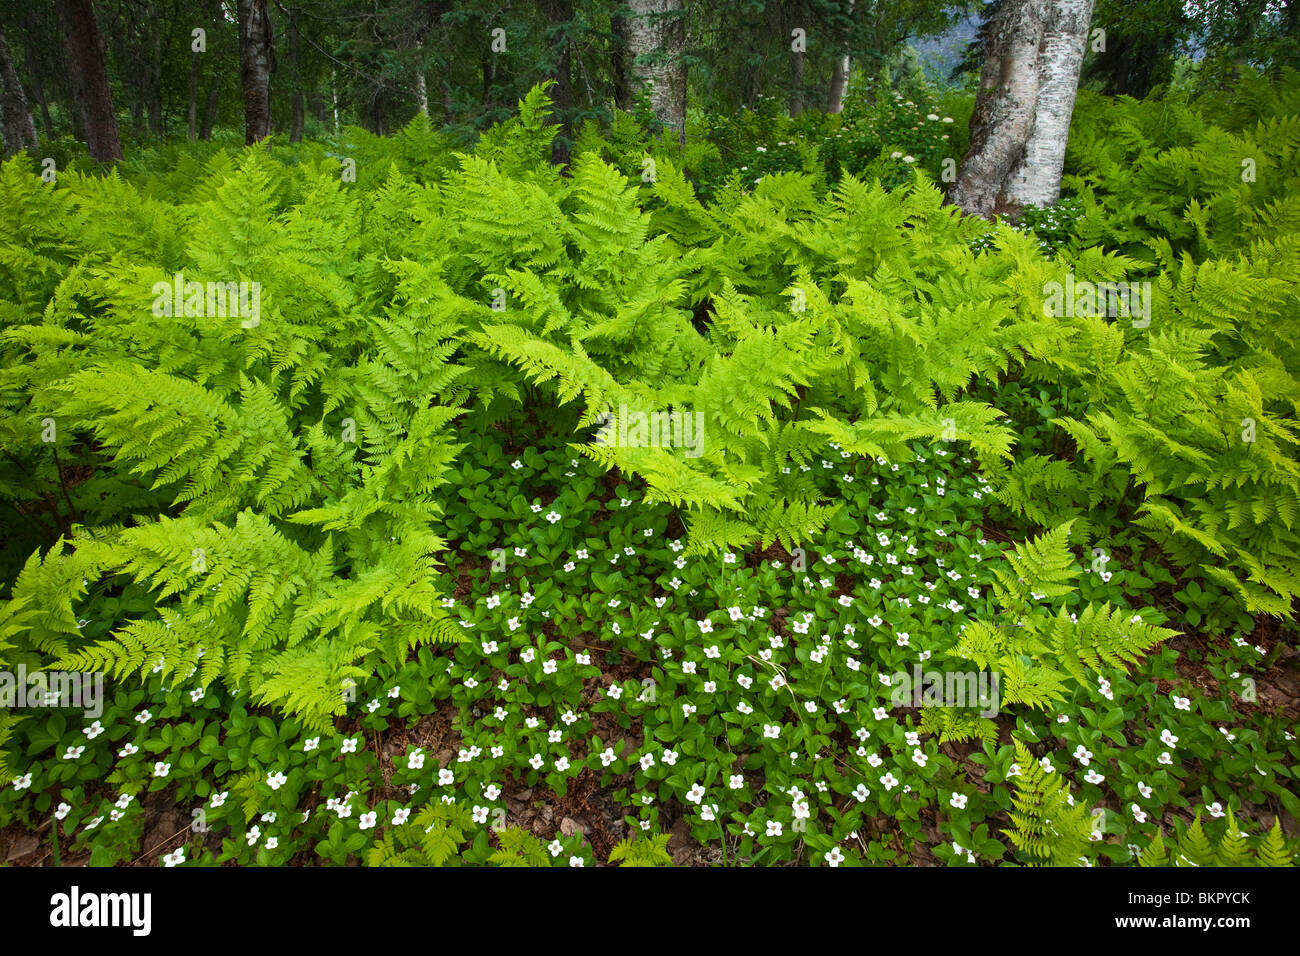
(256, 61)
(421, 81)
(1022, 111)
(210, 109)
(840, 70)
(193, 115)
(15, 122)
(153, 103)
(559, 16)
(214, 80)
(295, 129)
(90, 90)
(656, 39)
(1037, 177)
(796, 100)
(34, 70)
(839, 84)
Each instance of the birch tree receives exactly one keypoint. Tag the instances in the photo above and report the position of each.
(256, 61)
(653, 33)
(1021, 122)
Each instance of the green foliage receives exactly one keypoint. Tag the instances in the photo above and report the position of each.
(642, 851)
(1193, 847)
(1048, 827)
(423, 486)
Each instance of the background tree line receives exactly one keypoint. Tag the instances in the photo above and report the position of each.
(109, 72)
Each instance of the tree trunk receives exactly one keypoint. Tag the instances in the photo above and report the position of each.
(85, 47)
(1022, 111)
(840, 70)
(15, 121)
(656, 40)
(210, 109)
(295, 129)
(1037, 177)
(796, 99)
(839, 84)
(214, 81)
(34, 70)
(153, 89)
(256, 61)
(194, 96)
(559, 16)
(621, 65)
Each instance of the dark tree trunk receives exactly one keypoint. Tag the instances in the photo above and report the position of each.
(559, 14)
(85, 47)
(15, 121)
(796, 99)
(295, 131)
(153, 89)
(213, 101)
(34, 70)
(621, 61)
(193, 115)
(256, 61)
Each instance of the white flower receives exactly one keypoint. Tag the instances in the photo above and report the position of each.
(175, 858)
(272, 842)
(1092, 776)
(367, 820)
(400, 815)
(575, 861)
(1083, 755)
(276, 780)
(695, 794)
(889, 781)
(1216, 809)
(549, 667)
(349, 745)
(143, 717)
(161, 769)
(253, 834)
(127, 750)
(1167, 738)
(73, 753)
(958, 801)
(1164, 758)
(445, 777)
(773, 828)
(1182, 703)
